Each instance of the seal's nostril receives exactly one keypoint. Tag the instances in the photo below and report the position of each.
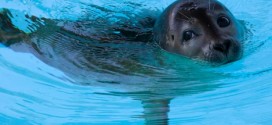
(227, 44)
(219, 47)
(222, 47)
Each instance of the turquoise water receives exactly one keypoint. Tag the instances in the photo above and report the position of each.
(134, 89)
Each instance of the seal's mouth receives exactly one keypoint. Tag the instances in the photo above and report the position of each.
(222, 57)
(222, 52)
(216, 57)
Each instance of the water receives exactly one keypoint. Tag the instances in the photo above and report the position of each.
(126, 83)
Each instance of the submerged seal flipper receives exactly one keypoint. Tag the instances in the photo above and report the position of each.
(156, 111)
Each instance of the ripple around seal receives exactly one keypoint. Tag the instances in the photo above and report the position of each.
(122, 84)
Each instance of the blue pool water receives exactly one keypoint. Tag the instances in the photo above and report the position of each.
(239, 93)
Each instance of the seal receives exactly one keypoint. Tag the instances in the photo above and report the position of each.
(200, 29)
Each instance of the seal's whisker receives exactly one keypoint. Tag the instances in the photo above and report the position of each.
(213, 6)
(209, 4)
(185, 15)
(182, 19)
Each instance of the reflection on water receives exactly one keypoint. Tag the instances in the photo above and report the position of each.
(88, 78)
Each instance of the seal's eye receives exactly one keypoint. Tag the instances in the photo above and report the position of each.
(187, 35)
(223, 21)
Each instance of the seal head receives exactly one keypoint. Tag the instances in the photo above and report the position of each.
(201, 29)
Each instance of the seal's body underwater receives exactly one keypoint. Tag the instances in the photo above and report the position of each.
(200, 29)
